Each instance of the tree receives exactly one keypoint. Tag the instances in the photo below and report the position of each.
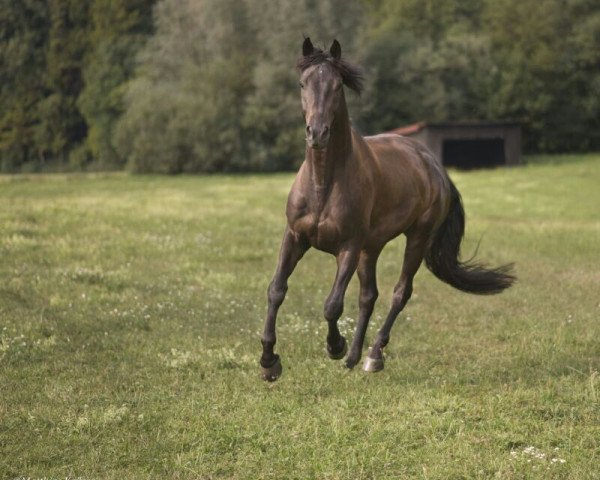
(184, 106)
(216, 87)
(62, 127)
(426, 60)
(547, 54)
(118, 29)
(23, 34)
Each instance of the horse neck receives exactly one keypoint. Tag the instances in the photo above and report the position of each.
(325, 164)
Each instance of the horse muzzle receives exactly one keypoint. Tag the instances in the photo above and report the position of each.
(317, 137)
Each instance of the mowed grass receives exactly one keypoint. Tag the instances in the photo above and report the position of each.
(131, 307)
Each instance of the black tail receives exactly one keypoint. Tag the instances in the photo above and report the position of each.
(444, 251)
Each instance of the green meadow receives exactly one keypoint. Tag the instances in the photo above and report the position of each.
(131, 307)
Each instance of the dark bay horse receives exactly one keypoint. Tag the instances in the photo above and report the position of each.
(354, 194)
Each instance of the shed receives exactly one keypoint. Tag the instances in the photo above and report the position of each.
(469, 145)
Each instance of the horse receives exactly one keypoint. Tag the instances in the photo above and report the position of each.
(351, 196)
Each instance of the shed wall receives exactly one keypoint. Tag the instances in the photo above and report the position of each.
(434, 136)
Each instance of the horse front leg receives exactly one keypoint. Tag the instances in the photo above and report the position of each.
(347, 261)
(292, 249)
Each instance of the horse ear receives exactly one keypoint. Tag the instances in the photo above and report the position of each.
(307, 47)
(336, 50)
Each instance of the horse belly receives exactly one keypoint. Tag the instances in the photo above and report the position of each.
(392, 225)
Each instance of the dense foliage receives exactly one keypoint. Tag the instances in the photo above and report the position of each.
(63, 68)
(209, 85)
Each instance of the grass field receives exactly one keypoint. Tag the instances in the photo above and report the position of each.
(130, 312)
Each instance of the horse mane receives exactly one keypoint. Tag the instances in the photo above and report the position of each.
(352, 76)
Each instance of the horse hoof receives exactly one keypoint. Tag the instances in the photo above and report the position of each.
(338, 355)
(350, 363)
(373, 364)
(272, 373)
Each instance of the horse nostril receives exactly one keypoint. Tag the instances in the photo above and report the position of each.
(308, 129)
(325, 130)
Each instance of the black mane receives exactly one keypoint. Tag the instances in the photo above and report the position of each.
(352, 76)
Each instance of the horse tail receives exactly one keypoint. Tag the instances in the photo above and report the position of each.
(442, 257)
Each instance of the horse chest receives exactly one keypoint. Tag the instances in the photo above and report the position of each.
(324, 232)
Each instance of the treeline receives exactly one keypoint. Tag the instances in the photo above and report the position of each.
(64, 65)
(209, 85)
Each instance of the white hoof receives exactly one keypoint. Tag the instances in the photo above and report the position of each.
(373, 364)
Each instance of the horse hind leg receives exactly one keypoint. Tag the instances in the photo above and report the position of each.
(347, 261)
(366, 301)
(416, 245)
